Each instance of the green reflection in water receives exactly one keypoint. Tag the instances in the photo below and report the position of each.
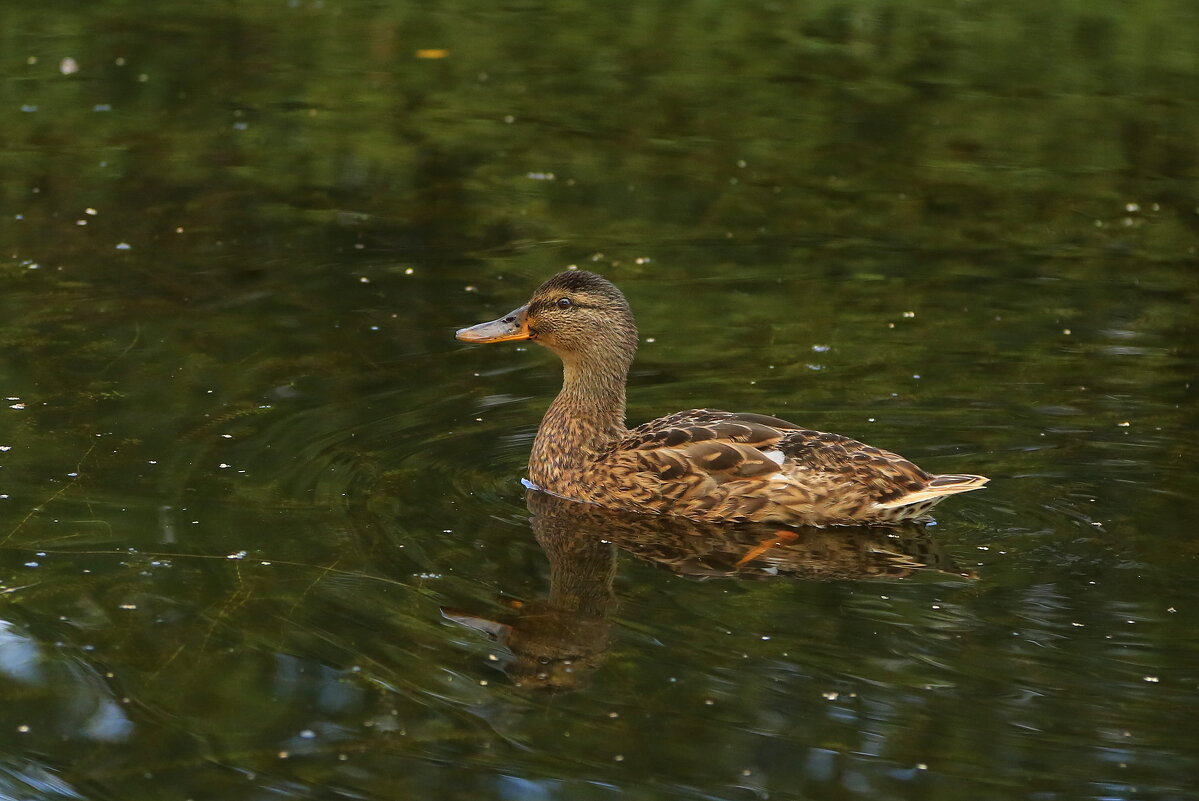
(237, 239)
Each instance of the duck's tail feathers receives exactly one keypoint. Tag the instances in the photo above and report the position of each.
(938, 487)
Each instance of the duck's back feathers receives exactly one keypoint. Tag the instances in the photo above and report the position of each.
(715, 465)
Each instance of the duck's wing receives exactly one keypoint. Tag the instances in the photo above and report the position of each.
(736, 466)
(706, 425)
(702, 463)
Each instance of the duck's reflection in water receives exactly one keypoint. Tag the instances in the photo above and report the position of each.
(556, 642)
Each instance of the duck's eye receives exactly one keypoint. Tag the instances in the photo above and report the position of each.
(565, 303)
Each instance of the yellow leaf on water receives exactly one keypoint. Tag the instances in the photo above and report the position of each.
(432, 53)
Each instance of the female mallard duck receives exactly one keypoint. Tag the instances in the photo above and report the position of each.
(703, 464)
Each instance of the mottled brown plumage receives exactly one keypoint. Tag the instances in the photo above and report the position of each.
(702, 464)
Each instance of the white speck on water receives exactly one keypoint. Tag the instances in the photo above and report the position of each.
(68, 66)
(1152, 679)
(32, 564)
(642, 260)
(1124, 424)
(81, 222)
(238, 555)
(820, 348)
(226, 436)
(90, 211)
(409, 271)
(470, 288)
(102, 107)
(5, 447)
(651, 340)
(72, 475)
(1066, 331)
(23, 728)
(362, 279)
(830, 695)
(1132, 207)
(307, 734)
(921, 766)
(909, 314)
(123, 246)
(508, 118)
(128, 606)
(17, 406)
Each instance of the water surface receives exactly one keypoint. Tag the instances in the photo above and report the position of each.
(262, 532)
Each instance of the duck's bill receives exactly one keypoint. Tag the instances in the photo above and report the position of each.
(514, 325)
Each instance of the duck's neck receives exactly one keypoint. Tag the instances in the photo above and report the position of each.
(585, 419)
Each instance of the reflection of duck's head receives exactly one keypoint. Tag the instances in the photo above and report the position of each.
(555, 643)
(580, 316)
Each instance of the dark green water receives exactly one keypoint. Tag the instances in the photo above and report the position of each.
(251, 489)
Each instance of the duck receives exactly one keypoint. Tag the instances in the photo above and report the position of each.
(703, 464)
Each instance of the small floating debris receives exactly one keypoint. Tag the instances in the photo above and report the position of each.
(123, 246)
(68, 66)
(432, 53)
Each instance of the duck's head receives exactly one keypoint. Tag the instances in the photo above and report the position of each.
(578, 315)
